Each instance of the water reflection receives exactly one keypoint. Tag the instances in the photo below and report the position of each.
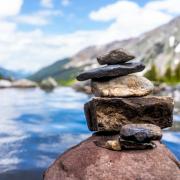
(37, 126)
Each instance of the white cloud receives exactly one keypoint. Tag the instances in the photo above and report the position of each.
(9, 7)
(170, 6)
(39, 18)
(65, 2)
(129, 19)
(7, 27)
(113, 11)
(47, 3)
(122, 8)
(32, 50)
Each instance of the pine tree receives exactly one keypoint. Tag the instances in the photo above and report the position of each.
(168, 76)
(1, 76)
(152, 74)
(177, 73)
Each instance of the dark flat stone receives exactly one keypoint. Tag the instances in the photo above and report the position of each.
(111, 71)
(141, 132)
(116, 56)
(127, 145)
(110, 114)
(120, 144)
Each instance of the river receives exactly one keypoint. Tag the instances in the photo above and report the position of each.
(37, 126)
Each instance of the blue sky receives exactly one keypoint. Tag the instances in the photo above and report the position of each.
(35, 33)
(75, 14)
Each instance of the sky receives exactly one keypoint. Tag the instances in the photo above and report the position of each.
(36, 33)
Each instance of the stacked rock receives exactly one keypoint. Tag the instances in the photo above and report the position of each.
(122, 104)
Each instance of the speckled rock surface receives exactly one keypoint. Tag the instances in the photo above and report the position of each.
(109, 114)
(141, 132)
(87, 161)
(115, 57)
(123, 86)
(111, 71)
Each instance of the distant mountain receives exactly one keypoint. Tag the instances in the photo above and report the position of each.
(57, 70)
(160, 46)
(8, 74)
(21, 74)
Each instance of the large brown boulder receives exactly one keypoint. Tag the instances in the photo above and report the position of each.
(87, 161)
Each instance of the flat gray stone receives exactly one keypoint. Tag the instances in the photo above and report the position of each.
(127, 145)
(110, 114)
(111, 71)
(117, 56)
(123, 86)
(141, 132)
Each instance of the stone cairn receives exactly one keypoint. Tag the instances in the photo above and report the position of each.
(122, 104)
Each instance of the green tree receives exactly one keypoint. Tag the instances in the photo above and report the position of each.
(152, 74)
(168, 76)
(1, 76)
(177, 73)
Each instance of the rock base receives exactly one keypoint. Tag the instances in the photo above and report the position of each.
(87, 161)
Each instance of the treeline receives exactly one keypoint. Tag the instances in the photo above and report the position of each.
(9, 78)
(171, 76)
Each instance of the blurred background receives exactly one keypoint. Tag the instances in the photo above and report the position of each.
(45, 43)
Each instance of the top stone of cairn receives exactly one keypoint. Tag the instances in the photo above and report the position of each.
(117, 56)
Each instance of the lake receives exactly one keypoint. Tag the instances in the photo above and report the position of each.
(37, 126)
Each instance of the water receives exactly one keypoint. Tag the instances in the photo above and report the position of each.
(37, 126)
